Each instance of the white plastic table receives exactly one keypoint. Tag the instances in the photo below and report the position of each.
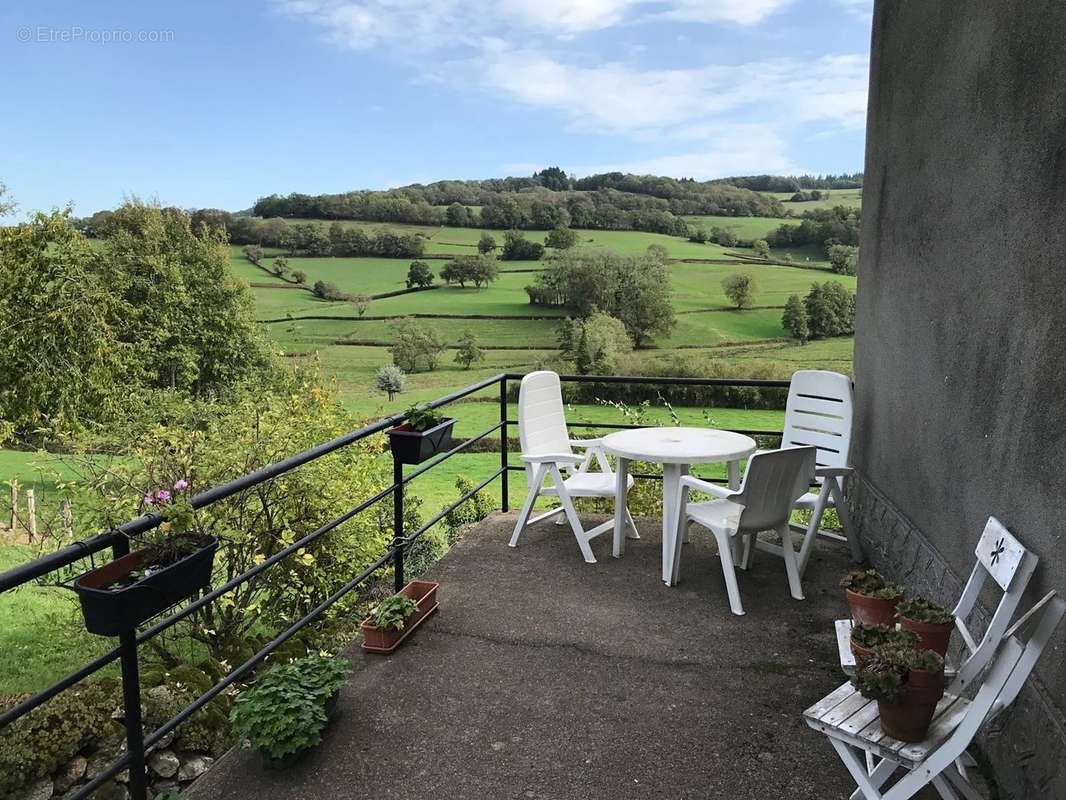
(676, 449)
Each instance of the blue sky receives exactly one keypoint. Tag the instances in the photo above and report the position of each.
(224, 102)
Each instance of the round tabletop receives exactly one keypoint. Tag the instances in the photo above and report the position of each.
(679, 445)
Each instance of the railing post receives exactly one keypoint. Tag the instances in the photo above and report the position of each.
(504, 499)
(131, 701)
(397, 523)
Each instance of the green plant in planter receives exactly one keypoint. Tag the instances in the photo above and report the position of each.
(870, 583)
(921, 610)
(284, 713)
(872, 636)
(392, 613)
(422, 417)
(884, 677)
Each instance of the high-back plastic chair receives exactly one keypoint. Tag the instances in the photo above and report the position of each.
(772, 482)
(547, 451)
(819, 414)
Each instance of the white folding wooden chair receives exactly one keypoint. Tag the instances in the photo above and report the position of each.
(772, 482)
(853, 727)
(1001, 557)
(818, 414)
(547, 451)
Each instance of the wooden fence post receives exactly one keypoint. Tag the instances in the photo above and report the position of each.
(31, 513)
(14, 504)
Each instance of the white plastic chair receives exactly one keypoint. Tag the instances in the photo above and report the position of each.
(547, 451)
(819, 414)
(1001, 557)
(853, 726)
(772, 482)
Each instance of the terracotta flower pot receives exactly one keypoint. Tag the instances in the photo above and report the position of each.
(930, 636)
(862, 654)
(909, 721)
(377, 640)
(867, 610)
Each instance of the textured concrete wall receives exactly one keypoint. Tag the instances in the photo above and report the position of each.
(960, 356)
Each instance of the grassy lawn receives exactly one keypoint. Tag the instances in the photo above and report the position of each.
(852, 198)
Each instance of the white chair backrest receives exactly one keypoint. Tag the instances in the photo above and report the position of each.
(818, 414)
(773, 481)
(1011, 667)
(1001, 557)
(541, 420)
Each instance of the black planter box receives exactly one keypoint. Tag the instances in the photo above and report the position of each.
(413, 447)
(109, 612)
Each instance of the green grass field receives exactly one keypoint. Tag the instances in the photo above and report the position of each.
(852, 198)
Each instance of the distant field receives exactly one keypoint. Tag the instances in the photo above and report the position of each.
(851, 198)
(744, 227)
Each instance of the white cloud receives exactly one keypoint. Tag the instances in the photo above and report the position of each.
(679, 103)
(446, 24)
(730, 150)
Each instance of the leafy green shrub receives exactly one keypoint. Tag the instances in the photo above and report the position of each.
(921, 610)
(391, 380)
(41, 742)
(284, 712)
(871, 583)
(392, 613)
(872, 636)
(421, 417)
(471, 512)
(328, 291)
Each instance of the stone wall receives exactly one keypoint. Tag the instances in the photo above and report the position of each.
(960, 351)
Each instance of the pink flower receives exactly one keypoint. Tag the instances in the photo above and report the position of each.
(149, 499)
(181, 485)
(163, 495)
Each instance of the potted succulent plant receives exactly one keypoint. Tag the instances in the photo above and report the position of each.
(284, 713)
(871, 598)
(425, 433)
(395, 618)
(907, 685)
(930, 622)
(172, 562)
(866, 638)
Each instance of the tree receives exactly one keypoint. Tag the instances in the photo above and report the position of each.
(553, 178)
(843, 258)
(761, 248)
(468, 352)
(830, 310)
(479, 270)
(740, 288)
(596, 343)
(391, 380)
(6, 206)
(419, 275)
(328, 291)
(281, 266)
(299, 276)
(457, 215)
(699, 236)
(658, 252)
(517, 248)
(361, 302)
(253, 253)
(486, 244)
(794, 320)
(561, 238)
(724, 236)
(414, 348)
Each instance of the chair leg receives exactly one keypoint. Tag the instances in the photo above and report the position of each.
(527, 509)
(791, 568)
(867, 788)
(725, 552)
(746, 552)
(571, 514)
(813, 526)
(959, 781)
(633, 532)
(945, 789)
(845, 522)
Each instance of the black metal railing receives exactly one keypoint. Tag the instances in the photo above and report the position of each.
(138, 745)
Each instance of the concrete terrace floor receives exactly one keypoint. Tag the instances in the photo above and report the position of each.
(547, 678)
